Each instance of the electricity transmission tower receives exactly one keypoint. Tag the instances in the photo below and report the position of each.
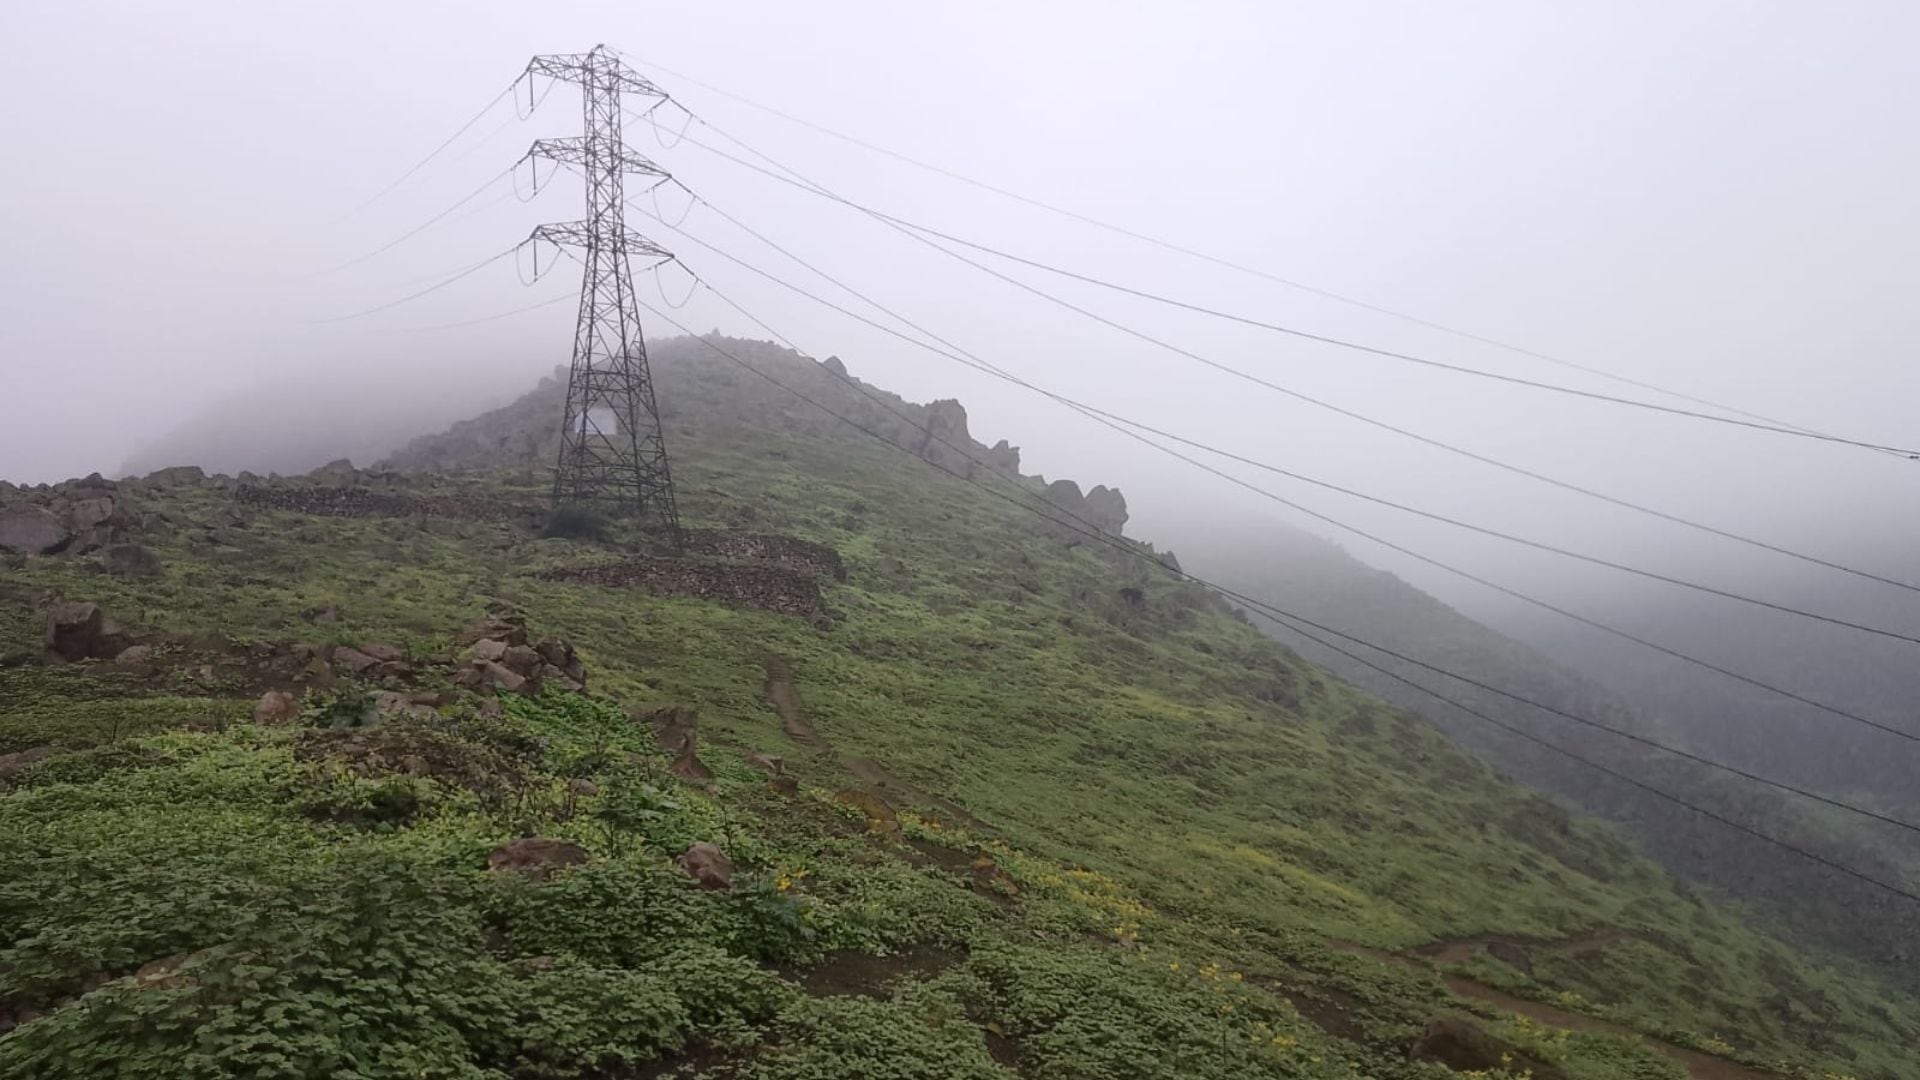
(613, 456)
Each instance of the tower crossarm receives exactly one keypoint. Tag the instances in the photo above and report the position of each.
(576, 151)
(580, 234)
(600, 66)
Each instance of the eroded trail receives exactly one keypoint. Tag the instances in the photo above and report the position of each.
(1699, 1065)
(785, 700)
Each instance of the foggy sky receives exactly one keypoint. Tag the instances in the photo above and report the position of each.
(1718, 197)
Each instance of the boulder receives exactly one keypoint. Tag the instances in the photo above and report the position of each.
(522, 660)
(130, 561)
(337, 473)
(384, 653)
(488, 649)
(276, 708)
(582, 786)
(353, 660)
(30, 530)
(535, 856)
(134, 654)
(559, 653)
(86, 511)
(767, 763)
(499, 677)
(176, 474)
(321, 615)
(75, 631)
(708, 866)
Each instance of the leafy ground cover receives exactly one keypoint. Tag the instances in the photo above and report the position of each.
(1166, 825)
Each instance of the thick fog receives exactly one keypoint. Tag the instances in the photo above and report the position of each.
(1714, 197)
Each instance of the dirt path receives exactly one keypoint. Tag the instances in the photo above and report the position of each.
(786, 701)
(880, 783)
(1699, 1065)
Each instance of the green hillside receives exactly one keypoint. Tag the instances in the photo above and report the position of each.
(1038, 810)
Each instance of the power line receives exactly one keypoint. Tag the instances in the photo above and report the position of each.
(952, 352)
(1483, 530)
(475, 268)
(436, 152)
(563, 298)
(428, 224)
(1169, 245)
(1259, 605)
(1490, 688)
(1295, 332)
(1351, 414)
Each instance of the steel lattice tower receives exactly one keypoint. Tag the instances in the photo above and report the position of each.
(613, 456)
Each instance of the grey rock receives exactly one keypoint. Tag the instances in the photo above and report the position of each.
(31, 530)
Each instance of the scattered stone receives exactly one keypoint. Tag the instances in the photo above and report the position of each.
(321, 615)
(276, 708)
(708, 866)
(134, 654)
(536, 856)
(384, 652)
(131, 561)
(164, 974)
(488, 649)
(30, 530)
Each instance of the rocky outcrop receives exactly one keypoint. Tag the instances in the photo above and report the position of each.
(944, 442)
(1103, 509)
(498, 658)
(1106, 508)
(72, 517)
(1003, 458)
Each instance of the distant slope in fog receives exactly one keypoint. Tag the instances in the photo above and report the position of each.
(1305, 574)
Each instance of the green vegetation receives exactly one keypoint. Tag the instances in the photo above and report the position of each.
(1135, 840)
